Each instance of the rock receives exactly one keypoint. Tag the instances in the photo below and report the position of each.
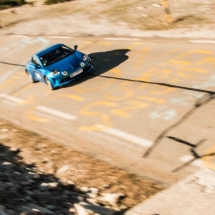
(72, 210)
(33, 213)
(4, 130)
(97, 209)
(2, 208)
(80, 198)
(94, 190)
(6, 163)
(3, 136)
(144, 15)
(49, 185)
(106, 186)
(84, 189)
(92, 201)
(80, 210)
(62, 170)
(110, 198)
(123, 207)
(67, 181)
(156, 5)
(31, 207)
(10, 212)
(14, 149)
(51, 207)
(92, 195)
(140, 8)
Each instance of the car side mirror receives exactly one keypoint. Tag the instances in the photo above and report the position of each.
(75, 47)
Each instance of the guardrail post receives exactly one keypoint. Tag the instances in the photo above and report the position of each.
(167, 11)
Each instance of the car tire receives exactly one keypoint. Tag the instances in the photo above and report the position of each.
(49, 84)
(30, 77)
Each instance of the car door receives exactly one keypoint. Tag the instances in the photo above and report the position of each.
(37, 70)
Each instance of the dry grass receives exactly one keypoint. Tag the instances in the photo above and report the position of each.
(141, 15)
(48, 157)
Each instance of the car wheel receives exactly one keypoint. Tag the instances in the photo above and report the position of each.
(30, 77)
(49, 84)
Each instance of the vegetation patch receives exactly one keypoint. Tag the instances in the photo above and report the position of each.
(10, 3)
(56, 1)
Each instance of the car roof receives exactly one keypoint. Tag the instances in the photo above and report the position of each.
(50, 48)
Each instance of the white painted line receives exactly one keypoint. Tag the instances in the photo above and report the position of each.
(118, 38)
(202, 41)
(56, 113)
(18, 36)
(128, 137)
(59, 37)
(11, 98)
(187, 158)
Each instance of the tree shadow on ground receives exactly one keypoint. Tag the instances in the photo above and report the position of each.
(102, 62)
(23, 189)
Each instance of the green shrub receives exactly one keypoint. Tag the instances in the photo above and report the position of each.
(56, 1)
(10, 3)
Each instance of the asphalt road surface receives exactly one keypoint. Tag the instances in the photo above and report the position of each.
(148, 106)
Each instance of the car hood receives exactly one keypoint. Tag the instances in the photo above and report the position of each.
(69, 64)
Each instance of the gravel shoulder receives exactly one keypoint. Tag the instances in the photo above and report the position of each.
(129, 18)
(37, 174)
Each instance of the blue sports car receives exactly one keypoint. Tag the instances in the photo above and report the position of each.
(58, 65)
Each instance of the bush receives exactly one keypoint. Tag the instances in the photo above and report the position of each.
(11, 3)
(56, 1)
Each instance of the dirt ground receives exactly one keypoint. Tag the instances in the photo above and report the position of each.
(48, 157)
(104, 17)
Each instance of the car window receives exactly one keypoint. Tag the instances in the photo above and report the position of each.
(55, 55)
(35, 61)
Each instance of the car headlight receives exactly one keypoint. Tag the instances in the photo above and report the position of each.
(84, 58)
(82, 64)
(55, 72)
(65, 73)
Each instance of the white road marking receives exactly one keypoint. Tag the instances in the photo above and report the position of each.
(56, 113)
(18, 36)
(128, 137)
(118, 38)
(164, 113)
(187, 158)
(202, 41)
(59, 37)
(11, 98)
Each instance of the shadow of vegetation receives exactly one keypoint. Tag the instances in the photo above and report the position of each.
(103, 62)
(22, 189)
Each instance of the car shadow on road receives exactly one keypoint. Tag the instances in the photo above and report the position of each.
(102, 62)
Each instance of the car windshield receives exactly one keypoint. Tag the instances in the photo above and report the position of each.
(55, 55)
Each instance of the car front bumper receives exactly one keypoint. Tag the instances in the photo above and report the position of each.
(64, 80)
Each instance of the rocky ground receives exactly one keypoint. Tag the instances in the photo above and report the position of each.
(38, 176)
(133, 18)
